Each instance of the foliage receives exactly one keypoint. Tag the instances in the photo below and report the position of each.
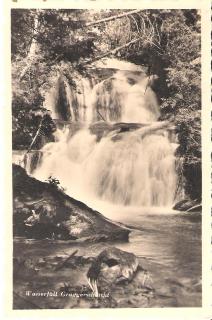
(56, 183)
(184, 86)
(168, 44)
(21, 31)
(33, 70)
(27, 112)
(171, 49)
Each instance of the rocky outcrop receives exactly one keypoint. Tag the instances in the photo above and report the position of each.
(34, 272)
(41, 211)
(103, 128)
(112, 265)
(187, 205)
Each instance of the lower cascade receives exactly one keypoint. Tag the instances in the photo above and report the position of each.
(122, 154)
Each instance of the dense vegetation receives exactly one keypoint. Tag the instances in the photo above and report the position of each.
(46, 43)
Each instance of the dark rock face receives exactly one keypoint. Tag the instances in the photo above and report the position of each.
(188, 205)
(42, 211)
(112, 266)
(67, 274)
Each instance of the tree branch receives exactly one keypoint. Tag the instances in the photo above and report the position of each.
(66, 260)
(88, 24)
(35, 137)
(32, 49)
(160, 125)
(111, 52)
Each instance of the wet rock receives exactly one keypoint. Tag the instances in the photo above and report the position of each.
(196, 208)
(188, 205)
(42, 211)
(71, 285)
(102, 128)
(111, 267)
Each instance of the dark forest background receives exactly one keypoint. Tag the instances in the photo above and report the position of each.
(167, 42)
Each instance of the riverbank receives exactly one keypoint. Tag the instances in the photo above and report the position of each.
(167, 246)
(36, 272)
(42, 210)
(68, 286)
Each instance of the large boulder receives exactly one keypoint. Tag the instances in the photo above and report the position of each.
(113, 267)
(188, 205)
(41, 210)
(113, 264)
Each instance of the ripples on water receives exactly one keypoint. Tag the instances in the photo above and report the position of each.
(169, 246)
(125, 168)
(173, 243)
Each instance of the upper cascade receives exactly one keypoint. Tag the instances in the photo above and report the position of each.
(111, 146)
(125, 95)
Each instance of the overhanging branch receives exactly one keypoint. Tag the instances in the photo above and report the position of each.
(111, 52)
(88, 24)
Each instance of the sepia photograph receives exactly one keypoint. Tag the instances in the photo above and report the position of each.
(107, 158)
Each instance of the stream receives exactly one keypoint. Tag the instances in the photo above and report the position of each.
(168, 245)
(124, 169)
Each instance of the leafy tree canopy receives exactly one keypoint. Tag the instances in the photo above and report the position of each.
(46, 43)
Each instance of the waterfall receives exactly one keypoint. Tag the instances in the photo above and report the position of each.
(125, 97)
(29, 160)
(119, 154)
(70, 102)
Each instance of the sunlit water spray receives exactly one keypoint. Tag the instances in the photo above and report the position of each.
(122, 169)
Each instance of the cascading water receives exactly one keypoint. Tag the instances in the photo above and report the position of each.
(70, 103)
(126, 97)
(131, 164)
(29, 160)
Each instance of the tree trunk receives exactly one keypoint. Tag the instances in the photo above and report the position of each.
(31, 56)
(154, 127)
(35, 137)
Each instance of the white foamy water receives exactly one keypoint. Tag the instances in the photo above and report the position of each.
(70, 103)
(125, 97)
(128, 176)
(129, 171)
(134, 168)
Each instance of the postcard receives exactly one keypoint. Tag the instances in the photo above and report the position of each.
(107, 139)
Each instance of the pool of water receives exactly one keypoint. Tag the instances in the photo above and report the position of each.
(169, 246)
(173, 242)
